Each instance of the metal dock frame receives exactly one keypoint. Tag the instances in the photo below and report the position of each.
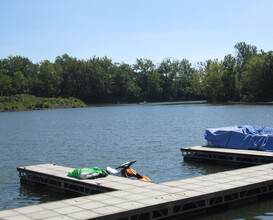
(59, 184)
(224, 155)
(126, 199)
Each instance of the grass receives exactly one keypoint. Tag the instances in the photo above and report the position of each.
(30, 102)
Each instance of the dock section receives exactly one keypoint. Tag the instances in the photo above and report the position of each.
(131, 199)
(55, 177)
(226, 155)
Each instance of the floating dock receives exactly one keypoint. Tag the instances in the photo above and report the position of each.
(226, 155)
(122, 198)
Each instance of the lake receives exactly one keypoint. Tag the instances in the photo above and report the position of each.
(110, 135)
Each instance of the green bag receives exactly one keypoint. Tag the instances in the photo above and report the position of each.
(87, 173)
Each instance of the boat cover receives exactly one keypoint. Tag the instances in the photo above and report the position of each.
(241, 137)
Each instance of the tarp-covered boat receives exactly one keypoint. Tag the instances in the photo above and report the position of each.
(241, 137)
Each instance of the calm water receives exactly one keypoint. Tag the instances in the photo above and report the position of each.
(104, 136)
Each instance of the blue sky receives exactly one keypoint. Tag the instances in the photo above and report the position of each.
(125, 30)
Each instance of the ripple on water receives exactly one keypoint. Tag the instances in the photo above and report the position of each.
(109, 136)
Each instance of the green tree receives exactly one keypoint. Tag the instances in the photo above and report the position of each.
(168, 77)
(244, 53)
(107, 68)
(257, 79)
(14, 64)
(98, 74)
(48, 80)
(197, 89)
(148, 79)
(5, 85)
(184, 77)
(66, 67)
(81, 84)
(19, 83)
(154, 89)
(123, 87)
(212, 80)
(229, 79)
(247, 76)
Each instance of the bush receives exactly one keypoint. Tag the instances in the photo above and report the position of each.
(25, 102)
(46, 105)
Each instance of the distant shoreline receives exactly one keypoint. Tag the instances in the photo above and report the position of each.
(23, 102)
(240, 103)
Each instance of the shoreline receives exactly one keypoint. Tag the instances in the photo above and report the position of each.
(23, 102)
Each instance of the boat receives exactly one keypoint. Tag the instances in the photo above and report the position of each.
(245, 137)
(142, 103)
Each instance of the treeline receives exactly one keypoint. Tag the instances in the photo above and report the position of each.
(247, 76)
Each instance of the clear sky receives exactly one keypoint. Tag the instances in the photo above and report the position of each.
(124, 30)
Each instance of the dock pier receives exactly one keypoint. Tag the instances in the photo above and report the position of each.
(122, 198)
(226, 155)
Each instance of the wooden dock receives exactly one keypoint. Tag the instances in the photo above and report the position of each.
(122, 198)
(226, 155)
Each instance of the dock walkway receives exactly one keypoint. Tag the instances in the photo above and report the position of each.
(226, 155)
(130, 199)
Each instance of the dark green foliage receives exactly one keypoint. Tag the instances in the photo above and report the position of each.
(229, 79)
(248, 76)
(244, 53)
(29, 102)
(176, 80)
(148, 79)
(257, 79)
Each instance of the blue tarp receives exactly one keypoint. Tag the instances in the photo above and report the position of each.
(241, 137)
